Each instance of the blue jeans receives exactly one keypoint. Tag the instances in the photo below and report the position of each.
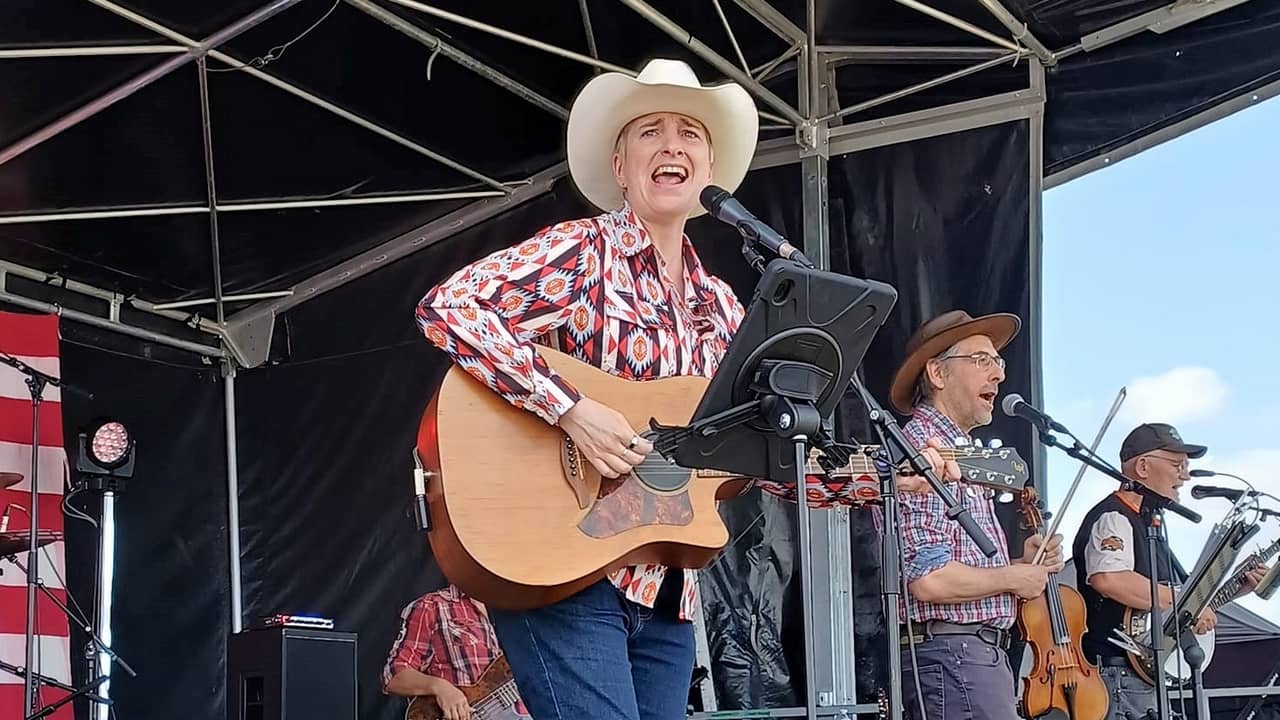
(598, 656)
(1129, 694)
(962, 678)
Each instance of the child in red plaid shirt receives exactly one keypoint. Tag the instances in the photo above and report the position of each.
(445, 641)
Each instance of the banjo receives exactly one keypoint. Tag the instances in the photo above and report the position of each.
(1137, 625)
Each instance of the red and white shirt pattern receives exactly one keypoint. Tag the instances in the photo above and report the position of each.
(930, 539)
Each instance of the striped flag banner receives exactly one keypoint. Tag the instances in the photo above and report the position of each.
(33, 339)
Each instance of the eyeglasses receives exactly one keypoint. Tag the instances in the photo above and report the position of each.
(982, 360)
(1179, 465)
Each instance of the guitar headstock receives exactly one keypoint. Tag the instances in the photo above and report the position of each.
(1001, 468)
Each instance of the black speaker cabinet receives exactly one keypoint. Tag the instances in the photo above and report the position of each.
(286, 673)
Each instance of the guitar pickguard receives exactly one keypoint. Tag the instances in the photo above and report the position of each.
(626, 503)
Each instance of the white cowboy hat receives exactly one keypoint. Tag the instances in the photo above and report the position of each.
(611, 100)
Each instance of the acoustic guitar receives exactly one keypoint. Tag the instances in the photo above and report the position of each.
(1137, 625)
(492, 697)
(521, 520)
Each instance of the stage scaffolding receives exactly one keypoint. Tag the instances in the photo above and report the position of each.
(815, 130)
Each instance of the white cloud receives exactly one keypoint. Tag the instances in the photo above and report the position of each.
(1182, 395)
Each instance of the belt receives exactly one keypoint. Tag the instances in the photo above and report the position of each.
(933, 628)
(1119, 661)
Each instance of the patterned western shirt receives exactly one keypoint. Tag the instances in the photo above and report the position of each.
(931, 539)
(444, 634)
(595, 289)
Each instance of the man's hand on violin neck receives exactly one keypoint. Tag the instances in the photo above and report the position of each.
(1052, 555)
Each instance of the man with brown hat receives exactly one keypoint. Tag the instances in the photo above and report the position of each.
(962, 604)
(1113, 569)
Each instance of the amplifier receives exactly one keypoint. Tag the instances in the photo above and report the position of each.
(290, 673)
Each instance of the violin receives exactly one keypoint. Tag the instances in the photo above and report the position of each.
(1061, 679)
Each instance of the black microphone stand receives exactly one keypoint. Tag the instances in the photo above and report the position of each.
(1153, 519)
(36, 382)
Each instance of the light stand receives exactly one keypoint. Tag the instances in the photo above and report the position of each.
(105, 460)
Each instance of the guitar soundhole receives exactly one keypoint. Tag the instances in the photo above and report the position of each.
(661, 476)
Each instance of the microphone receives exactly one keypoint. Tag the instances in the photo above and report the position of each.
(1160, 501)
(1267, 586)
(1014, 406)
(420, 494)
(1200, 492)
(725, 208)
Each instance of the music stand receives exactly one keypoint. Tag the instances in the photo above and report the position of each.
(1169, 632)
(805, 333)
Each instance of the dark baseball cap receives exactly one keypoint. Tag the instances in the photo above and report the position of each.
(1157, 436)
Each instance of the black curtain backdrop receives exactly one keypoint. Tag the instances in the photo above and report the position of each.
(172, 595)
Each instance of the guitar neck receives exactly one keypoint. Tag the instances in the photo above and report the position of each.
(858, 465)
(1232, 587)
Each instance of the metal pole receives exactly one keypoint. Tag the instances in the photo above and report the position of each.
(591, 33)
(701, 50)
(935, 82)
(233, 497)
(775, 21)
(249, 206)
(106, 582)
(300, 93)
(465, 60)
(904, 53)
(48, 52)
(1035, 262)
(135, 84)
(33, 557)
(514, 37)
(95, 321)
(733, 39)
(817, 247)
(206, 127)
(114, 299)
(957, 22)
(1020, 31)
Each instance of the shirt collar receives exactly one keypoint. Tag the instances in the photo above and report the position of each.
(927, 414)
(630, 238)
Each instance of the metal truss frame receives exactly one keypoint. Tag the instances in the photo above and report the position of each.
(819, 130)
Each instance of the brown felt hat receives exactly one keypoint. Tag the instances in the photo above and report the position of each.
(939, 334)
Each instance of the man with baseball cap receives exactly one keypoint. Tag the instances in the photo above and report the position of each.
(1113, 567)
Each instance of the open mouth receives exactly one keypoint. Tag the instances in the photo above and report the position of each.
(989, 398)
(670, 175)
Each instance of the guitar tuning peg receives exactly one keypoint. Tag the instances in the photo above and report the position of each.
(1005, 497)
(995, 443)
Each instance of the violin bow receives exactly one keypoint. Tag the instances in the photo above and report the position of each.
(1097, 440)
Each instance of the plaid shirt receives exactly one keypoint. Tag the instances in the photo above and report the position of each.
(595, 289)
(444, 634)
(931, 540)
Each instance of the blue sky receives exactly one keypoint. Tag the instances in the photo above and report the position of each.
(1160, 276)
